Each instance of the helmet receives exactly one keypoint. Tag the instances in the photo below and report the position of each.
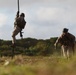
(22, 14)
(65, 30)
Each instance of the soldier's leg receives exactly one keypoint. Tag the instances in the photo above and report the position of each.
(63, 50)
(15, 32)
(68, 52)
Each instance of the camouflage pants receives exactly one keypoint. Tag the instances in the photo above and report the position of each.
(67, 51)
(15, 32)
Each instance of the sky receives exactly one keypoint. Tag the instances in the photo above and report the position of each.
(45, 18)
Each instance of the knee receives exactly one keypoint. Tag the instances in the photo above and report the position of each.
(13, 35)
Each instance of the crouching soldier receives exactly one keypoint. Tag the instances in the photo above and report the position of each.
(67, 41)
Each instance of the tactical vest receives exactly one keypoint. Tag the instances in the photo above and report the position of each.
(21, 23)
(67, 39)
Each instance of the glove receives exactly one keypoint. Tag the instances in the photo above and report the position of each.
(17, 15)
(17, 12)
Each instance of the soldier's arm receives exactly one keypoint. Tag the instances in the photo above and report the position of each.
(17, 15)
(55, 44)
(57, 41)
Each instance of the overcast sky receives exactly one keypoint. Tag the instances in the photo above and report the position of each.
(45, 18)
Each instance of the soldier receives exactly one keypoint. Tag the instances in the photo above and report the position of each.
(19, 24)
(67, 41)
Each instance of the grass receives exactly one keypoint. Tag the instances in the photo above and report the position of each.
(39, 65)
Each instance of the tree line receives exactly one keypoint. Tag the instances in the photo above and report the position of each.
(30, 47)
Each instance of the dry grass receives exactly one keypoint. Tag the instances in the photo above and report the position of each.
(25, 65)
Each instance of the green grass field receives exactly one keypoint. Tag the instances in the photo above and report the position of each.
(39, 65)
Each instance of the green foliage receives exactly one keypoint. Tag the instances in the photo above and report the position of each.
(29, 46)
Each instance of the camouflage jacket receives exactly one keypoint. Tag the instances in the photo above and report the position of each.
(66, 39)
(19, 21)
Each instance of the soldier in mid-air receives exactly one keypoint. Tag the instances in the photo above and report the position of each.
(19, 24)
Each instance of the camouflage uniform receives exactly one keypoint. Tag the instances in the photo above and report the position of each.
(67, 41)
(17, 28)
